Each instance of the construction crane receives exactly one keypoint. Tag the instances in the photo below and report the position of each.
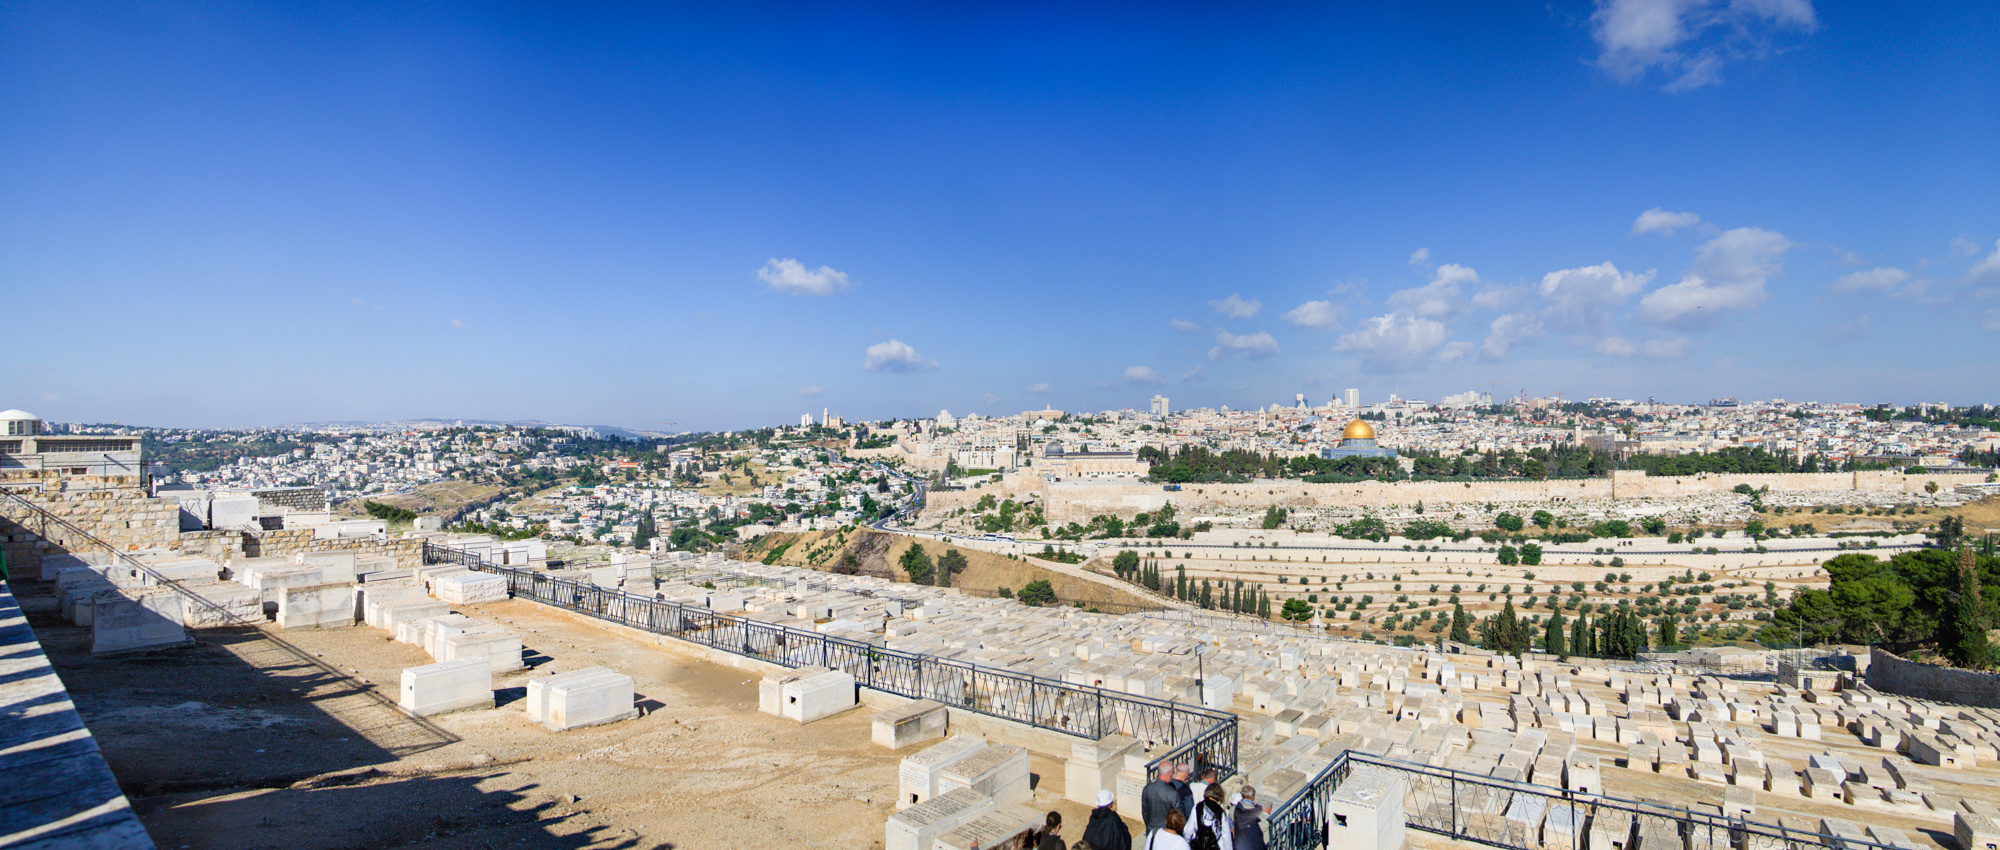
(1494, 385)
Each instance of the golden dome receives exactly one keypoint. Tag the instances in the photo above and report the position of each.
(1358, 430)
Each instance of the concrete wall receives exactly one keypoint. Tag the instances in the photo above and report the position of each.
(1893, 674)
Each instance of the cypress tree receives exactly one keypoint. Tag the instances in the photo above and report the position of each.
(1554, 641)
(1461, 624)
(1963, 637)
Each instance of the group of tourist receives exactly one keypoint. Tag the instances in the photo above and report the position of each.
(1200, 815)
(1178, 815)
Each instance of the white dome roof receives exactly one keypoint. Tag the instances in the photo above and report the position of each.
(18, 414)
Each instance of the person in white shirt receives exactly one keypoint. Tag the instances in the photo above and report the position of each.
(1168, 836)
(1211, 814)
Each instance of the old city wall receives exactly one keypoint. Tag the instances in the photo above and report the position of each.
(1078, 501)
(1893, 674)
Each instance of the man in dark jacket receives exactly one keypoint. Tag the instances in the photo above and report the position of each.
(1106, 830)
(1158, 798)
(1183, 792)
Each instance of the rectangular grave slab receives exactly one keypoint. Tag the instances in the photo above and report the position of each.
(909, 725)
(919, 827)
(917, 777)
(447, 686)
(1000, 772)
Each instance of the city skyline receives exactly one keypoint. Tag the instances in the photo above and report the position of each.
(726, 218)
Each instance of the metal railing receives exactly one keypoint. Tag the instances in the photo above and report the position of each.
(1497, 812)
(1185, 732)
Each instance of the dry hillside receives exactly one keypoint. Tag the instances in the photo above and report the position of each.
(878, 553)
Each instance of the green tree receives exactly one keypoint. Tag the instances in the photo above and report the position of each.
(1125, 563)
(1542, 518)
(1274, 516)
(1670, 631)
(1507, 522)
(1554, 640)
(949, 563)
(642, 539)
(1461, 624)
(1296, 609)
(848, 564)
(1037, 592)
(916, 563)
(1962, 636)
(1531, 554)
(1509, 556)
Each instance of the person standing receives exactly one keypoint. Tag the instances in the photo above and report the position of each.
(1183, 793)
(1106, 830)
(1209, 829)
(1158, 798)
(1168, 836)
(1051, 833)
(1200, 788)
(1249, 821)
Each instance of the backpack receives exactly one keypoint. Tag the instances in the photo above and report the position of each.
(1204, 836)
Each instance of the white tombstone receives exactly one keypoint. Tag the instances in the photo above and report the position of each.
(603, 697)
(917, 777)
(918, 827)
(153, 621)
(447, 686)
(470, 588)
(1367, 810)
(817, 696)
(1000, 772)
(908, 725)
(316, 606)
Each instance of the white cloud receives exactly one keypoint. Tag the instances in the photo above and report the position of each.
(1443, 296)
(1039, 389)
(1142, 376)
(1185, 327)
(1508, 331)
(1253, 346)
(1193, 375)
(1395, 342)
(1237, 308)
(1688, 40)
(460, 325)
(1871, 280)
(1318, 315)
(1580, 300)
(809, 392)
(793, 278)
(895, 356)
(1665, 223)
(989, 399)
(1659, 349)
(1984, 277)
(1728, 275)
(1965, 245)
(1992, 321)
(1420, 258)
(1454, 351)
(1846, 332)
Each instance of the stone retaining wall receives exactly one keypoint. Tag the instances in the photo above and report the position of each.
(1078, 501)
(1894, 674)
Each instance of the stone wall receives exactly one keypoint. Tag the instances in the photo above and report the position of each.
(1078, 501)
(1893, 674)
(408, 551)
(130, 521)
(124, 518)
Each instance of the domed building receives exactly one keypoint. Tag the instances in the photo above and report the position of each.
(1357, 440)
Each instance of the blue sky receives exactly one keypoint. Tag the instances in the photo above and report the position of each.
(218, 214)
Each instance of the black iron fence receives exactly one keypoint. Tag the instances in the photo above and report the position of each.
(1486, 810)
(1183, 732)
